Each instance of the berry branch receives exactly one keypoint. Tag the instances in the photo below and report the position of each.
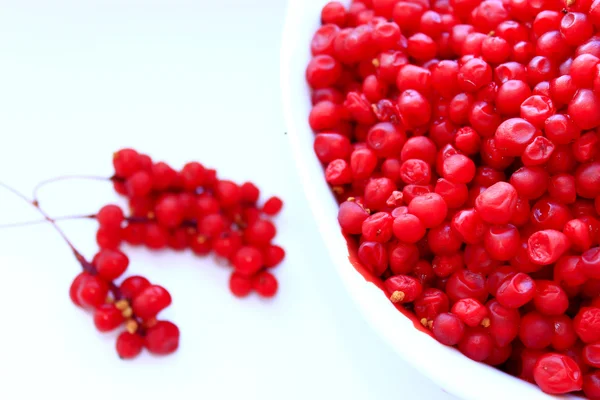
(187, 209)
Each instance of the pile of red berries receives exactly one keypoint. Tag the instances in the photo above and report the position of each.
(462, 139)
(184, 209)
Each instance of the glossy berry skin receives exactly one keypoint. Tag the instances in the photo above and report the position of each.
(240, 285)
(88, 291)
(378, 227)
(584, 109)
(448, 329)
(110, 216)
(129, 345)
(497, 203)
(431, 209)
(470, 311)
(169, 212)
(536, 331)
(408, 228)
(516, 291)
(591, 355)
(133, 285)
(547, 246)
(402, 288)
(107, 317)
(550, 298)
(265, 284)
(150, 301)
(504, 323)
(247, 260)
(557, 373)
(374, 257)
(431, 303)
(111, 264)
(502, 242)
(162, 338)
(476, 344)
(272, 206)
(351, 216)
(587, 324)
(513, 136)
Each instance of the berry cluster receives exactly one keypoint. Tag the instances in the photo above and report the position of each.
(187, 209)
(462, 140)
(194, 209)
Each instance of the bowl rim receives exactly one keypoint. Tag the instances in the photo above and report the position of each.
(443, 365)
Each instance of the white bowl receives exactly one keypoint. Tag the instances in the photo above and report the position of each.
(446, 366)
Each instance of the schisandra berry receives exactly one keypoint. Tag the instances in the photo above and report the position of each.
(111, 264)
(108, 317)
(129, 345)
(110, 216)
(88, 291)
(162, 338)
(150, 301)
(133, 285)
(265, 284)
(240, 285)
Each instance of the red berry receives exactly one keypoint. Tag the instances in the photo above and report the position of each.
(133, 285)
(247, 260)
(88, 290)
(470, 311)
(240, 285)
(429, 208)
(150, 301)
(111, 264)
(107, 317)
(139, 184)
(162, 338)
(193, 175)
(547, 246)
(228, 193)
(402, 288)
(129, 345)
(108, 238)
(448, 329)
(476, 344)
(550, 298)
(497, 203)
(587, 324)
(272, 206)
(265, 284)
(126, 162)
(557, 374)
(110, 217)
(169, 211)
(373, 256)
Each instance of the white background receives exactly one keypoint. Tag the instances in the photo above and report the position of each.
(180, 80)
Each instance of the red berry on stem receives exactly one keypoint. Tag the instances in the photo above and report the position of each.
(265, 284)
(150, 301)
(247, 260)
(129, 345)
(107, 317)
(126, 162)
(110, 216)
(111, 264)
(162, 338)
(133, 285)
(240, 285)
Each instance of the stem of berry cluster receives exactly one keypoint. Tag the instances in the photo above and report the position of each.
(85, 264)
(43, 183)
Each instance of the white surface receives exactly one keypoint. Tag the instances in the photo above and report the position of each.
(450, 369)
(181, 80)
